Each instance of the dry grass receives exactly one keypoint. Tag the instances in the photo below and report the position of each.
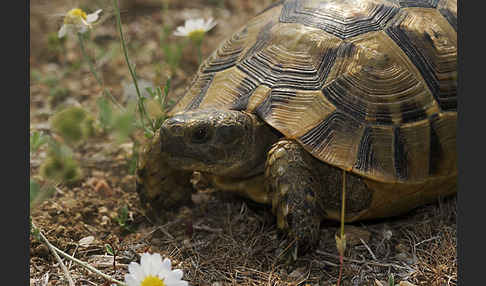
(228, 240)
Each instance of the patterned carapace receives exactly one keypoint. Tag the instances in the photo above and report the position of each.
(369, 86)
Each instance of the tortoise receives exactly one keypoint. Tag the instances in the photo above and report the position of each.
(310, 94)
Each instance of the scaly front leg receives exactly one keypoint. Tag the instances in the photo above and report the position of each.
(295, 188)
(159, 187)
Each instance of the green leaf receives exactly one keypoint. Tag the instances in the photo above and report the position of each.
(60, 166)
(132, 164)
(391, 280)
(158, 122)
(33, 230)
(122, 216)
(148, 133)
(73, 124)
(122, 219)
(59, 93)
(54, 43)
(51, 81)
(109, 249)
(150, 91)
(37, 139)
(167, 87)
(35, 75)
(34, 190)
(163, 102)
(123, 125)
(63, 169)
(105, 112)
(38, 194)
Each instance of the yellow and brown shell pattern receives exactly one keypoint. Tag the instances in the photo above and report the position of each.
(369, 86)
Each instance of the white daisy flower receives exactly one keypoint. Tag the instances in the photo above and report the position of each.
(195, 28)
(77, 21)
(152, 271)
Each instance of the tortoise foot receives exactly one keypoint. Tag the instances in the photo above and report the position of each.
(294, 187)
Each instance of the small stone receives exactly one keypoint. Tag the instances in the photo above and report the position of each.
(103, 187)
(96, 173)
(86, 241)
(105, 220)
(71, 56)
(42, 251)
(187, 242)
(354, 233)
(406, 257)
(199, 198)
(405, 283)
(387, 234)
(297, 272)
(127, 147)
(113, 215)
(60, 230)
(401, 247)
(128, 179)
(379, 283)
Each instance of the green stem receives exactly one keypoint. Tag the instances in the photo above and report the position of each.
(93, 71)
(343, 204)
(342, 227)
(340, 270)
(199, 53)
(141, 109)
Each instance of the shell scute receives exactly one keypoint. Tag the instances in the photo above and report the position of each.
(342, 18)
(369, 86)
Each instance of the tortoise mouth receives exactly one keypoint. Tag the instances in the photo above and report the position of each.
(188, 163)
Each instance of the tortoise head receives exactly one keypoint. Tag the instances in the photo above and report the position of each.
(220, 142)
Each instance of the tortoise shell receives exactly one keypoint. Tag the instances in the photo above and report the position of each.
(369, 86)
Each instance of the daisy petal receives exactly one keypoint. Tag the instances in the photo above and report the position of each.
(192, 25)
(179, 283)
(180, 31)
(136, 270)
(62, 32)
(145, 259)
(90, 18)
(152, 265)
(177, 274)
(130, 280)
(166, 263)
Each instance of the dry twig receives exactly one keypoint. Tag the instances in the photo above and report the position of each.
(53, 249)
(57, 251)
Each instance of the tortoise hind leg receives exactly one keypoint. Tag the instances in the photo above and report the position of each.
(294, 187)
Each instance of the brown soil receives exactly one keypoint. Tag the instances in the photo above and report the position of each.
(220, 239)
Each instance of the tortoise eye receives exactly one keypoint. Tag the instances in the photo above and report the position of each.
(200, 135)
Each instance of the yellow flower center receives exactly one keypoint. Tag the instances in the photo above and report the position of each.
(77, 13)
(152, 281)
(196, 35)
(74, 16)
